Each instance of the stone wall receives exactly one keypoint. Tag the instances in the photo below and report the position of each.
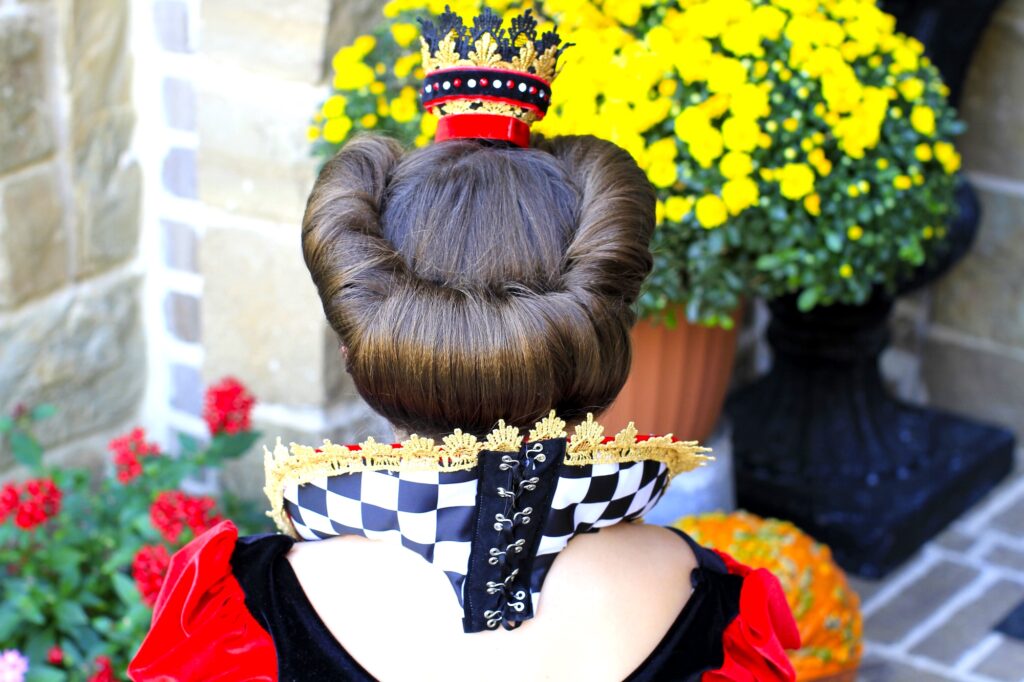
(973, 353)
(70, 191)
(263, 67)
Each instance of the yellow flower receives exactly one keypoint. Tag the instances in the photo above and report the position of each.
(947, 156)
(911, 89)
(736, 165)
(882, 164)
(706, 146)
(923, 120)
(353, 76)
(725, 74)
(380, 69)
(334, 106)
(676, 208)
(377, 88)
(791, 124)
(741, 134)
(864, 186)
(667, 87)
(928, 232)
(428, 124)
(663, 173)
(337, 129)
(403, 109)
(659, 212)
(691, 122)
(853, 191)
(363, 44)
(854, 233)
(760, 69)
(797, 180)
(846, 271)
(405, 65)
(313, 133)
(404, 33)
(739, 194)
(812, 202)
(711, 211)
(368, 121)
(902, 182)
(705, 20)
(382, 107)
(923, 152)
(749, 101)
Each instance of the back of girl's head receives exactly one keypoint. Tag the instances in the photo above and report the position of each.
(472, 282)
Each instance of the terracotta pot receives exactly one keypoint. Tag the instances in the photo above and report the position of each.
(678, 380)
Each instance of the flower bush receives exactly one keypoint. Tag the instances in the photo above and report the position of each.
(798, 146)
(83, 560)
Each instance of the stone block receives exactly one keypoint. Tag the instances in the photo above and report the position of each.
(974, 380)
(34, 252)
(98, 60)
(1005, 663)
(179, 104)
(26, 131)
(170, 19)
(1011, 521)
(984, 294)
(253, 154)
(971, 624)
(108, 191)
(81, 350)
(281, 39)
(881, 670)
(994, 142)
(898, 616)
(262, 318)
(180, 246)
(1008, 557)
(954, 540)
(183, 316)
(179, 173)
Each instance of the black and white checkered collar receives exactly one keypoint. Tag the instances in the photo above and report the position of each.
(492, 514)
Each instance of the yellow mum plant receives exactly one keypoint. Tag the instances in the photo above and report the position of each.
(798, 146)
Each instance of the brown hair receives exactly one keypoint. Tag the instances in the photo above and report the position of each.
(472, 282)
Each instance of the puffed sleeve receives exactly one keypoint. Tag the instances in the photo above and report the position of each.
(201, 628)
(756, 640)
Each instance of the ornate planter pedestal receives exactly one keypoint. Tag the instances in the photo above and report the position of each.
(820, 441)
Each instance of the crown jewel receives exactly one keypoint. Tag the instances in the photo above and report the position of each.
(486, 81)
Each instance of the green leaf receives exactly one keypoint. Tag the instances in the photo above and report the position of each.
(9, 622)
(6, 424)
(230, 446)
(26, 449)
(70, 614)
(125, 588)
(189, 445)
(808, 299)
(38, 673)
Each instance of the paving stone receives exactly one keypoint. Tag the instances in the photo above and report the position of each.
(1011, 520)
(1003, 555)
(971, 624)
(877, 669)
(1006, 662)
(904, 611)
(954, 540)
(865, 588)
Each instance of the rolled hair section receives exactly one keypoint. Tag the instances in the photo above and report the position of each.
(450, 350)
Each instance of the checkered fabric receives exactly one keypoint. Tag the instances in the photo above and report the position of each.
(433, 513)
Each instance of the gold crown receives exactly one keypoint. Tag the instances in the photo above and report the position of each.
(486, 69)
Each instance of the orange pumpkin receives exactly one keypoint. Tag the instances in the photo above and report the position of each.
(826, 609)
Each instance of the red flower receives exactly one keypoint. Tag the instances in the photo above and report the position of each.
(228, 407)
(32, 504)
(127, 450)
(9, 496)
(148, 569)
(173, 510)
(55, 656)
(104, 670)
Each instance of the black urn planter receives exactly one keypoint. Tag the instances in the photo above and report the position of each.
(821, 442)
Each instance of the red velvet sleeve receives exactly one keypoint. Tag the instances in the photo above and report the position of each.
(756, 640)
(201, 628)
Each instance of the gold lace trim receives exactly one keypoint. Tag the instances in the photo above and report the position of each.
(458, 451)
(476, 106)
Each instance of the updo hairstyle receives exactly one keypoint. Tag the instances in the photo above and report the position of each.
(472, 282)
